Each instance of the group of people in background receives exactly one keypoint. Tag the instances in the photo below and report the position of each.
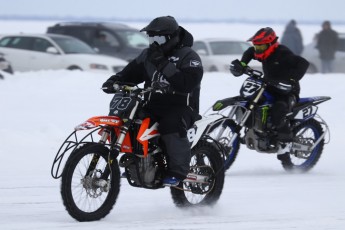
(326, 43)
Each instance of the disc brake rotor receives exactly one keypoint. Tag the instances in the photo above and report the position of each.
(94, 185)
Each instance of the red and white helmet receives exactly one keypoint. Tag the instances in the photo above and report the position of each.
(265, 42)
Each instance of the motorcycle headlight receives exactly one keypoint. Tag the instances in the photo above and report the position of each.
(98, 66)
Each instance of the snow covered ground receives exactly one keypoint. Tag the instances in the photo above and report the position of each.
(39, 109)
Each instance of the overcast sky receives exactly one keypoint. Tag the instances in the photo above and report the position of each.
(280, 10)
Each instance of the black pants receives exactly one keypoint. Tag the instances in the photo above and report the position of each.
(175, 119)
(282, 106)
(173, 125)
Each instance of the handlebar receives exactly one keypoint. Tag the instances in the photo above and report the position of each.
(253, 73)
(133, 88)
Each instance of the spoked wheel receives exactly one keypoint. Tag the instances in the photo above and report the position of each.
(206, 162)
(306, 133)
(89, 187)
(223, 134)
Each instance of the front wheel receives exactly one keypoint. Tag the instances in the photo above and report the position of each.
(206, 160)
(223, 133)
(306, 133)
(90, 183)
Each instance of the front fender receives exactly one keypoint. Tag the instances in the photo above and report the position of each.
(231, 101)
(98, 121)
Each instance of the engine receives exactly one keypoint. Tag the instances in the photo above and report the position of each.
(261, 142)
(143, 171)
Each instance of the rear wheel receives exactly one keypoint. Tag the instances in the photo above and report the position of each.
(89, 187)
(206, 161)
(306, 133)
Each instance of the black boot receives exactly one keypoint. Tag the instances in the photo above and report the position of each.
(284, 132)
(285, 160)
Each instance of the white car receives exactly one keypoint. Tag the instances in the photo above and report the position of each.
(312, 55)
(50, 51)
(217, 53)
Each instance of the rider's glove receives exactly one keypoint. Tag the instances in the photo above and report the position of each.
(110, 86)
(156, 56)
(160, 87)
(280, 87)
(237, 68)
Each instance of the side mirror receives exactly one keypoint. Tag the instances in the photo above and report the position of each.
(96, 49)
(52, 50)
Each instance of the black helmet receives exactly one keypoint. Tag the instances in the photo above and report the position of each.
(165, 25)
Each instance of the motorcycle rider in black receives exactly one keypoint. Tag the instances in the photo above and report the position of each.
(282, 71)
(170, 65)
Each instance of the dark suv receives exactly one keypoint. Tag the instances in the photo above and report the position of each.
(111, 39)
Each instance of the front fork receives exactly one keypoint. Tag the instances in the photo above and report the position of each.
(245, 116)
(116, 147)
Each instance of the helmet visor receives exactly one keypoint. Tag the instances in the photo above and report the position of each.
(260, 48)
(159, 39)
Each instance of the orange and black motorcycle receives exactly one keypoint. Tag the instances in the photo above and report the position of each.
(90, 176)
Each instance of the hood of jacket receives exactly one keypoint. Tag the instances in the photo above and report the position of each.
(186, 38)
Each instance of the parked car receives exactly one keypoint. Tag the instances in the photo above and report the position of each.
(217, 53)
(312, 55)
(111, 39)
(4, 66)
(51, 51)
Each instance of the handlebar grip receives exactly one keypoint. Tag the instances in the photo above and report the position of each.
(253, 72)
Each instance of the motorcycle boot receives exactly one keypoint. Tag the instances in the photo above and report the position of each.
(178, 158)
(284, 138)
(283, 153)
(171, 181)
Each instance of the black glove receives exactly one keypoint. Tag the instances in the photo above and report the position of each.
(109, 86)
(237, 68)
(160, 87)
(156, 56)
(283, 88)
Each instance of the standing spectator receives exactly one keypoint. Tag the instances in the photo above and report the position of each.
(327, 43)
(292, 38)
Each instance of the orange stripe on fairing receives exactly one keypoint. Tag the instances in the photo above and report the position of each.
(145, 133)
(144, 126)
(126, 146)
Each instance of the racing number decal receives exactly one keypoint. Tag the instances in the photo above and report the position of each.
(120, 103)
(191, 133)
(250, 87)
(307, 111)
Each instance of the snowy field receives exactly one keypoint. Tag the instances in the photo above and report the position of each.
(39, 109)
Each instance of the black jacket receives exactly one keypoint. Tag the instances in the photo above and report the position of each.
(327, 43)
(183, 75)
(281, 66)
